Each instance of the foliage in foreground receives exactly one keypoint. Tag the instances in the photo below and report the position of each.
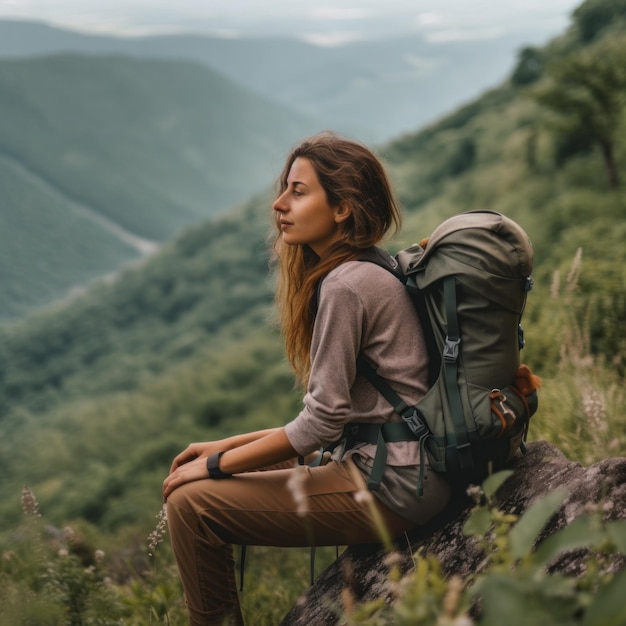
(515, 586)
(53, 579)
(63, 577)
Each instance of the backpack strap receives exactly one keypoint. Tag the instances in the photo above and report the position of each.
(242, 564)
(459, 436)
(411, 427)
(383, 259)
(379, 435)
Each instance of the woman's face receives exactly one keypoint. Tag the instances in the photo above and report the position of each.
(303, 213)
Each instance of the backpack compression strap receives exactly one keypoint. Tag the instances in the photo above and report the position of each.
(451, 370)
(412, 427)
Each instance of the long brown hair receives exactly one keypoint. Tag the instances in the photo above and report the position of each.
(349, 173)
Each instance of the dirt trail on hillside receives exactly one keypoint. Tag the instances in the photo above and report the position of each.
(144, 246)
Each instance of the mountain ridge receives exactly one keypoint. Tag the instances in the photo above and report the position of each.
(148, 133)
(150, 146)
(141, 245)
(383, 88)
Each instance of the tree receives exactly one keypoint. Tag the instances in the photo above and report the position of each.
(529, 67)
(586, 92)
(593, 16)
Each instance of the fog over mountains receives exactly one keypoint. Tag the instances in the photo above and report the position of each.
(110, 146)
(376, 89)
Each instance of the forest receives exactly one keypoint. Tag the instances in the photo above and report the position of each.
(99, 392)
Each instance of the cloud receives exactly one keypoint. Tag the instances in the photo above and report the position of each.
(340, 13)
(465, 34)
(427, 20)
(440, 20)
(332, 39)
(423, 64)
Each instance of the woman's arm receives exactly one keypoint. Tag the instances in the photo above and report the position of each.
(255, 450)
(268, 450)
(205, 448)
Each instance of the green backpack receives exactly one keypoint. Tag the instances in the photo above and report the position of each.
(469, 283)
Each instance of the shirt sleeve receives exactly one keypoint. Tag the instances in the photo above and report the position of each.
(336, 342)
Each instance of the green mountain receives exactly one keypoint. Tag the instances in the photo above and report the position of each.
(97, 395)
(374, 89)
(109, 146)
(101, 157)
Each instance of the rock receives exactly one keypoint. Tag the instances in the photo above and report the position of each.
(542, 470)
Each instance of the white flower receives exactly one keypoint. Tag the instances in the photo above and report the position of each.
(156, 536)
(295, 484)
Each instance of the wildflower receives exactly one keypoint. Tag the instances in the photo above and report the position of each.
(555, 286)
(608, 506)
(348, 598)
(575, 270)
(295, 485)
(594, 408)
(393, 559)
(348, 601)
(63, 552)
(475, 492)
(453, 596)
(69, 534)
(30, 506)
(99, 556)
(156, 536)
(363, 497)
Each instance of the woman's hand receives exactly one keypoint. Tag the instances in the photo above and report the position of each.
(198, 450)
(190, 470)
(242, 454)
(190, 464)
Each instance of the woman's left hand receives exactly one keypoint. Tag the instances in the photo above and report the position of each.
(195, 469)
(262, 449)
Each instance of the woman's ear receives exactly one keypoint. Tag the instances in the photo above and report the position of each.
(342, 212)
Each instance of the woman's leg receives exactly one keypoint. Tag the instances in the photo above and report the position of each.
(262, 508)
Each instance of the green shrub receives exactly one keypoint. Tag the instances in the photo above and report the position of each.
(515, 586)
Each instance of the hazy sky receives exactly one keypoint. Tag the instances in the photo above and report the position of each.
(318, 21)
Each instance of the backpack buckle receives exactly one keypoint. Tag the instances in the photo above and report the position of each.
(529, 283)
(416, 424)
(451, 350)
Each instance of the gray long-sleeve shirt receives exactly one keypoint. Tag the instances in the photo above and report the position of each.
(363, 309)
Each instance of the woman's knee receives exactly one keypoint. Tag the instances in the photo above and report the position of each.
(182, 508)
(191, 512)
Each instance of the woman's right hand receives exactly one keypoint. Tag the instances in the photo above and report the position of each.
(198, 450)
(204, 449)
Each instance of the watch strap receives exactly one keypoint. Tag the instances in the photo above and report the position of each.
(213, 466)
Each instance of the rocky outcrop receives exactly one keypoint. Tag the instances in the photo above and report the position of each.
(542, 470)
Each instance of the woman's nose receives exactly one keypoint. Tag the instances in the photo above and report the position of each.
(279, 203)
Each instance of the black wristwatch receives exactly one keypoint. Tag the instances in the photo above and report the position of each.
(213, 465)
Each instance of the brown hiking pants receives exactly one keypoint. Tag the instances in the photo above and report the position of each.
(264, 508)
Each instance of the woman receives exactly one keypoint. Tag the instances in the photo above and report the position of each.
(334, 205)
